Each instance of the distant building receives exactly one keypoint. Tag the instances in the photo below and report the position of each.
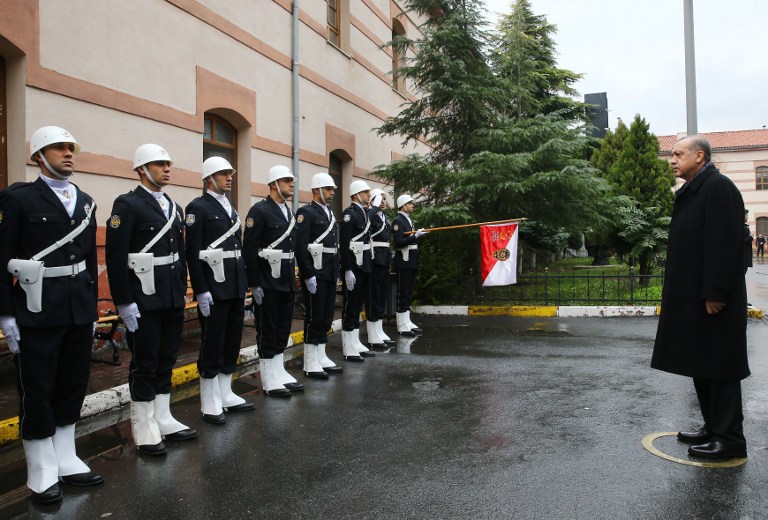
(742, 155)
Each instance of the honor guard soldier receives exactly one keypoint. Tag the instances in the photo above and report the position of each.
(217, 271)
(268, 246)
(355, 253)
(148, 279)
(381, 257)
(405, 264)
(316, 248)
(48, 243)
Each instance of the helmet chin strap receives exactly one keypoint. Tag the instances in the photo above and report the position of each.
(280, 193)
(322, 197)
(215, 185)
(146, 171)
(52, 170)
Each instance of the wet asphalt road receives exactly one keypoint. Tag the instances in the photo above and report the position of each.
(478, 418)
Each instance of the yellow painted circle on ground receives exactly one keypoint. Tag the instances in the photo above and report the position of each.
(648, 445)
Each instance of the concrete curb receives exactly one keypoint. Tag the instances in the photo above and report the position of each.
(118, 396)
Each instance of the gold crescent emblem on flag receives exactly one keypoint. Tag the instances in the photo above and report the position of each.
(502, 255)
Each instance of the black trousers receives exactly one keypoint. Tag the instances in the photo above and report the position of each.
(376, 303)
(353, 301)
(721, 407)
(406, 281)
(52, 370)
(273, 322)
(318, 312)
(222, 333)
(761, 250)
(154, 347)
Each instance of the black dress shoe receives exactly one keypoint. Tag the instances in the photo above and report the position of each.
(153, 450)
(334, 369)
(294, 387)
(88, 478)
(353, 358)
(416, 330)
(377, 345)
(278, 392)
(389, 342)
(242, 407)
(184, 435)
(49, 496)
(368, 353)
(697, 437)
(408, 333)
(718, 450)
(214, 419)
(317, 375)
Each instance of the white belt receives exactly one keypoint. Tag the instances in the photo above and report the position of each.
(231, 254)
(64, 270)
(165, 260)
(380, 244)
(283, 256)
(412, 246)
(329, 250)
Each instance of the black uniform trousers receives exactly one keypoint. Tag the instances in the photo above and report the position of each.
(222, 332)
(52, 366)
(353, 301)
(406, 280)
(721, 407)
(154, 348)
(273, 322)
(318, 312)
(376, 303)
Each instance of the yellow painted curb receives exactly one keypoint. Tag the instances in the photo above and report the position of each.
(754, 312)
(513, 310)
(9, 430)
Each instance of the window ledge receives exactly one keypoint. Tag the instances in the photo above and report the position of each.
(345, 53)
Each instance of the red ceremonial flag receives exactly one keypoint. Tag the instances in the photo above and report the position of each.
(498, 251)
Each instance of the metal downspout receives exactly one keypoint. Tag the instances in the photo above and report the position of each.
(296, 113)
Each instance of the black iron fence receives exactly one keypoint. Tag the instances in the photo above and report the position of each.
(579, 288)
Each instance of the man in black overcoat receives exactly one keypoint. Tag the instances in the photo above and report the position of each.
(217, 272)
(48, 315)
(702, 327)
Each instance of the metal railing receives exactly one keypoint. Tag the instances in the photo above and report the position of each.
(579, 288)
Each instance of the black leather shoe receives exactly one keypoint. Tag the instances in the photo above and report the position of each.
(389, 342)
(242, 407)
(697, 437)
(49, 496)
(214, 419)
(416, 330)
(377, 345)
(294, 387)
(408, 333)
(353, 358)
(334, 369)
(88, 478)
(718, 450)
(317, 375)
(278, 392)
(368, 353)
(184, 435)
(153, 450)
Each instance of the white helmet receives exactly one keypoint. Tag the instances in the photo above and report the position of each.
(402, 200)
(148, 153)
(214, 165)
(356, 187)
(279, 172)
(322, 180)
(48, 135)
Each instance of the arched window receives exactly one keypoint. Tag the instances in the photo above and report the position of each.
(761, 178)
(761, 225)
(398, 56)
(335, 167)
(220, 140)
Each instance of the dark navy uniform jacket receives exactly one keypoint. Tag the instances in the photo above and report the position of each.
(264, 224)
(32, 218)
(399, 228)
(311, 222)
(207, 220)
(353, 223)
(381, 255)
(135, 220)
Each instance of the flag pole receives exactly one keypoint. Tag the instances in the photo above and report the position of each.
(476, 224)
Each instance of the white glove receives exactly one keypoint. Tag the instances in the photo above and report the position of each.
(311, 284)
(349, 278)
(130, 315)
(258, 295)
(204, 302)
(421, 232)
(376, 201)
(95, 324)
(11, 333)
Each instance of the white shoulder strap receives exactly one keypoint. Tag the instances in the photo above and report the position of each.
(162, 231)
(365, 229)
(226, 235)
(71, 236)
(325, 234)
(284, 235)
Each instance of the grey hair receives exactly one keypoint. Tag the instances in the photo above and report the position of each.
(699, 143)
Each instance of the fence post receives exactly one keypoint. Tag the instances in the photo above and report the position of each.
(546, 286)
(632, 285)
